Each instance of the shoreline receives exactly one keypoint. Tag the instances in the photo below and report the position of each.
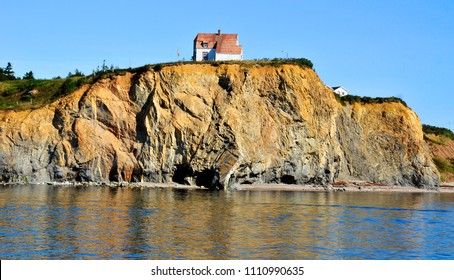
(445, 187)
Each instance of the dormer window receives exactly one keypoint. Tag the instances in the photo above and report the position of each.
(205, 45)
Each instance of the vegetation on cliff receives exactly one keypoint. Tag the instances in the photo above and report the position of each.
(276, 62)
(21, 94)
(438, 131)
(441, 144)
(7, 73)
(350, 99)
(31, 93)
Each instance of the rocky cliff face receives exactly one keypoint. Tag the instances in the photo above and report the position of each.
(214, 126)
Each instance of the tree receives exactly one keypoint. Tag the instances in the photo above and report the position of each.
(77, 73)
(104, 66)
(29, 76)
(9, 70)
(7, 73)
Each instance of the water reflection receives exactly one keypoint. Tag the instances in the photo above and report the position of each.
(46, 222)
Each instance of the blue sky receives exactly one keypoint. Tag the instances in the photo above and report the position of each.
(401, 48)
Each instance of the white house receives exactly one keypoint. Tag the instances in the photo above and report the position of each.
(341, 91)
(208, 46)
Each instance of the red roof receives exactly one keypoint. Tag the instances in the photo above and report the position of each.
(229, 44)
(224, 43)
(205, 38)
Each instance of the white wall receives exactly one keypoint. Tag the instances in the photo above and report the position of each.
(212, 55)
(199, 54)
(228, 56)
(341, 91)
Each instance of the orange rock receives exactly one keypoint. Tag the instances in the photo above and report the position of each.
(237, 123)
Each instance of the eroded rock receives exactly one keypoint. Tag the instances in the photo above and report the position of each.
(214, 126)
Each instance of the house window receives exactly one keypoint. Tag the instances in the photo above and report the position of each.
(205, 45)
(205, 56)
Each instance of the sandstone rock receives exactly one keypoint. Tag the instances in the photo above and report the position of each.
(214, 126)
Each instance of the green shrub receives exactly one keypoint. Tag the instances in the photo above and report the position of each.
(303, 62)
(350, 99)
(72, 84)
(157, 67)
(439, 131)
(77, 73)
(29, 76)
(444, 165)
(68, 87)
(5, 104)
(27, 85)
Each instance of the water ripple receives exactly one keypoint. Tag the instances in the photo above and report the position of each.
(96, 223)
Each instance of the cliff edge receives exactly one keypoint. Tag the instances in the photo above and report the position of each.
(215, 126)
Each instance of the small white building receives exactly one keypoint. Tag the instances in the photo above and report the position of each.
(208, 46)
(341, 91)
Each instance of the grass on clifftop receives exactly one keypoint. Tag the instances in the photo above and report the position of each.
(276, 62)
(32, 94)
(350, 99)
(26, 94)
(439, 131)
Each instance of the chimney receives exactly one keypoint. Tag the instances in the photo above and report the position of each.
(219, 32)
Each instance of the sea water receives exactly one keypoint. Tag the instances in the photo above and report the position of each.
(54, 222)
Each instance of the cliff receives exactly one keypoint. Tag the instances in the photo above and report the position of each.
(214, 126)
